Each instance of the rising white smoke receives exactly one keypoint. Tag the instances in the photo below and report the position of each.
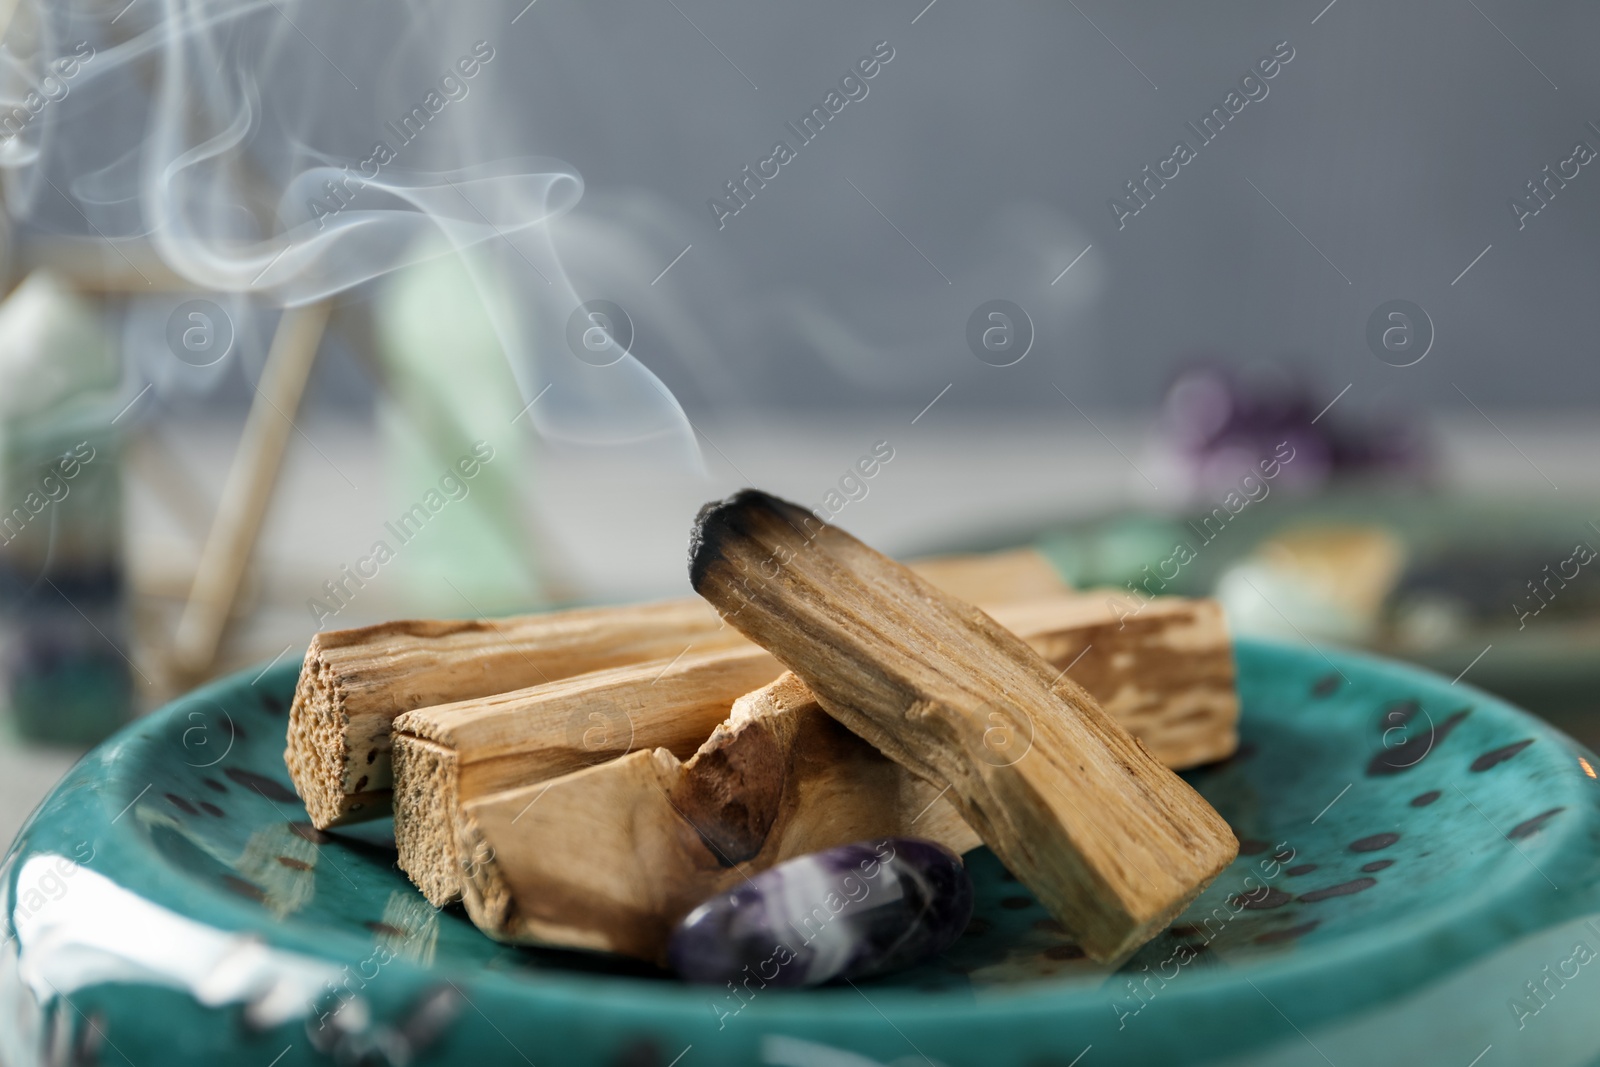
(258, 147)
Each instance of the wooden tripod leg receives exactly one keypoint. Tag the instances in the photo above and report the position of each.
(249, 487)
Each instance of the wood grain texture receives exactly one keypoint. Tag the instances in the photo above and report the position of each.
(354, 682)
(993, 577)
(611, 857)
(781, 778)
(1163, 670)
(1111, 842)
(448, 754)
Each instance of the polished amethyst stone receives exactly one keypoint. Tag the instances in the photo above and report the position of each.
(848, 912)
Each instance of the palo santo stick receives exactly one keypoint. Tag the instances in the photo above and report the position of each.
(454, 751)
(610, 857)
(1111, 842)
(354, 682)
(1166, 673)
(1163, 671)
(993, 577)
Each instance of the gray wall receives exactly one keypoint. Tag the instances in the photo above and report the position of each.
(980, 164)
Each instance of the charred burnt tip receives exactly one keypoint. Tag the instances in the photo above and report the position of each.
(721, 522)
(714, 524)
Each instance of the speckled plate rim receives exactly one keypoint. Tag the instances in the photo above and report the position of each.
(1387, 956)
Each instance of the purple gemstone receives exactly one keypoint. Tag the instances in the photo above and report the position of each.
(847, 912)
(1223, 420)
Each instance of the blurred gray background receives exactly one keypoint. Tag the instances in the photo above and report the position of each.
(1393, 141)
(980, 165)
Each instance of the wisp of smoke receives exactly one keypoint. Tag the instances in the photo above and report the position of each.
(260, 147)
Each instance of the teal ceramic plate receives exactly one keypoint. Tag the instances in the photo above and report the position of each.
(1417, 884)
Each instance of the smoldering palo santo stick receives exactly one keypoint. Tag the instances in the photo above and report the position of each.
(1110, 841)
(610, 857)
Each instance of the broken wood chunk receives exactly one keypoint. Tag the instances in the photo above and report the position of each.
(354, 682)
(611, 857)
(446, 754)
(781, 778)
(1111, 842)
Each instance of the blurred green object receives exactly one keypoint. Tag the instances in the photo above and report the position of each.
(61, 572)
(1462, 603)
(77, 697)
(450, 396)
(1458, 602)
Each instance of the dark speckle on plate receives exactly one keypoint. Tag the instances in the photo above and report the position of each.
(244, 888)
(1529, 827)
(1259, 900)
(1343, 889)
(270, 788)
(1300, 868)
(1422, 800)
(1374, 842)
(1274, 937)
(1497, 756)
(1377, 865)
(639, 1053)
(1325, 686)
(294, 864)
(1417, 746)
(182, 804)
(1398, 713)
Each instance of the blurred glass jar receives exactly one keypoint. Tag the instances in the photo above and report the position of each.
(62, 586)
